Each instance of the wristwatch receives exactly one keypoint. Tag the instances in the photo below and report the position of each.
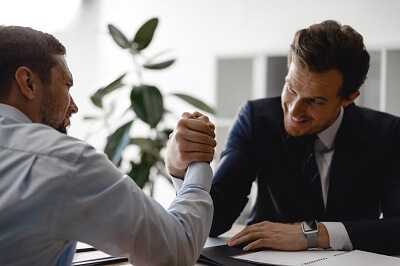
(310, 230)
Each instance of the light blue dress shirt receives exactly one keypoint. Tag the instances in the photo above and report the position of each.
(55, 190)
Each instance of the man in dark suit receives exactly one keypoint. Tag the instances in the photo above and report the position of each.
(328, 171)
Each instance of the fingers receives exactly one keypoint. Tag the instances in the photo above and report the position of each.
(194, 115)
(257, 240)
(271, 235)
(197, 126)
(196, 147)
(249, 233)
(187, 137)
(199, 116)
(260, 243)
(249, 229)
(187, 115)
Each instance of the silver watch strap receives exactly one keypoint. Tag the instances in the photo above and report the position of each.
(312, 240)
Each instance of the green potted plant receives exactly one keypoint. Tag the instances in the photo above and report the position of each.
(146, 105)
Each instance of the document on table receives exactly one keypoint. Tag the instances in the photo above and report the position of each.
(287, 258)
(317, 258)
(87, 255)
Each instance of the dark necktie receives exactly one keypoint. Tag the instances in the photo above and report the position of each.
(312, 181)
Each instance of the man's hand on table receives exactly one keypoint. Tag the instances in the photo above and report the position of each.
(277, 236)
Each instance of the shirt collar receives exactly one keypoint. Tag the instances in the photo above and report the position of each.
(14, 113)
(328, 135)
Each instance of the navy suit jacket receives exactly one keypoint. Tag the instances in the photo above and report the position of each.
(364, 180)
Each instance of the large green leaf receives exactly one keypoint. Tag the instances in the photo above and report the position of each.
(145, 144)
(145, 34)
(119, 37)
(195, 102)
(140, 173)
(97, 97)
(117, 142)
(147, 102)
(161, 65)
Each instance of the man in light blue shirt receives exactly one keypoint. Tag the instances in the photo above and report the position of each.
(56, 190)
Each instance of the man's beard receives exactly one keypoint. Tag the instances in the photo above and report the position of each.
(62, 129)
(50, 121)
(48, 113)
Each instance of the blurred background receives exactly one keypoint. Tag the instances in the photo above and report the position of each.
(227, 51)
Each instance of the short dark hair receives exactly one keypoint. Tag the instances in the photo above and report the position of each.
(329, 45)
(24, 46)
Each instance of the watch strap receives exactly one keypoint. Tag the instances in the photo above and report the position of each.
(310, 230)
(312, 240)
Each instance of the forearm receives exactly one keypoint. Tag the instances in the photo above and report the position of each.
(193, 211)
(114, 215)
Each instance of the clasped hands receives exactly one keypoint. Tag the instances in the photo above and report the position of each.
(193, 140)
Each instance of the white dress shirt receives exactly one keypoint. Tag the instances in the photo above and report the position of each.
(324, 149)
(55, 190)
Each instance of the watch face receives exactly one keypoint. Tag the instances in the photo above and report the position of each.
(309, 226)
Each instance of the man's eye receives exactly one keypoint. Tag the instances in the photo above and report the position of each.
(316, 101)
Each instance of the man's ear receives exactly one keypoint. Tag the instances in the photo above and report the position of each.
(351, 98)
(27, 82)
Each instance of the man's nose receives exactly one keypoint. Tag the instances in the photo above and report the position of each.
(296, 108)
(73, 107)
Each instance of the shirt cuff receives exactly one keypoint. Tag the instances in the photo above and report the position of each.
(198, 173)
(338, 237)
(177, 183)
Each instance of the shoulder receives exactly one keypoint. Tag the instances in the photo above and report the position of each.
(264, 107)
(372, 119)
(371, 125)
(42, 140)
(265, 112)
(257, 117)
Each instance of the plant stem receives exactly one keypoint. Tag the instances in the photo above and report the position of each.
(138, 69)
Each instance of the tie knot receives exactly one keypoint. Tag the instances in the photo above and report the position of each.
(311, 140)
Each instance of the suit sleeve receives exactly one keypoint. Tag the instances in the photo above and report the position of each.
(235, 173)
(383, 235)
